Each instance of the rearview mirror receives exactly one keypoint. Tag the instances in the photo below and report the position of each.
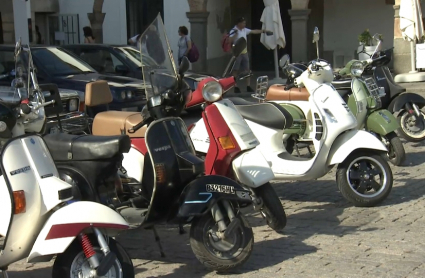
(121, 69)
(239, 46)
(285, 60)
(184, 65)
(316, 35)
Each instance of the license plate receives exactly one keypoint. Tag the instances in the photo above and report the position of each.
(228, 189)
(131, 109)
(54, 130)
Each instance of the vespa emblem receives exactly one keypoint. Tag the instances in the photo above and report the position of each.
(20, 170)
(32, 141)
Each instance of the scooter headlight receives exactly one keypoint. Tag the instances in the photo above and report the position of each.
(212, 91)
(357, 69)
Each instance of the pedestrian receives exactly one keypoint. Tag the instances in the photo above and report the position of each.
(184, 43)
(135, 41)
(88, 35)
(39, 40)
(242, 62)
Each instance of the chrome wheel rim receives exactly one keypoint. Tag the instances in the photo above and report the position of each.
(361, 176)
(412, 126)
(80, 267)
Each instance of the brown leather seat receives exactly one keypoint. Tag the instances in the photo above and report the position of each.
(110, 122)
(278, 92)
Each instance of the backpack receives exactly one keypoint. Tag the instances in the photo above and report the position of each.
(225, 42)
(193, 54)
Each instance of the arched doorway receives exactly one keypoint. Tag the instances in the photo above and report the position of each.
(261, 58)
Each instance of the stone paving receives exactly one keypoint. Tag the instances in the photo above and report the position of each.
(325, 236)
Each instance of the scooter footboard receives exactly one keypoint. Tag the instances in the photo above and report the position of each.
(201, 194)
(350, 141)
(65, 224)
(252, 169)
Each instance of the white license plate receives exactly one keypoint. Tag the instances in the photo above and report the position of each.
(131, 109)
(54, 130)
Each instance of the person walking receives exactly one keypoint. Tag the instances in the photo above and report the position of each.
(184, 43)
(88, 35)
(242, 62)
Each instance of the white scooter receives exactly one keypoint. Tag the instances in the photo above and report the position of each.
(38, 220)
(363, 177)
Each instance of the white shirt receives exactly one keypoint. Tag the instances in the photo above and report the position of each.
(134, 40)
(240, 34)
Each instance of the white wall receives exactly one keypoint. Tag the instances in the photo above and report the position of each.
(345, 20)
(216, 9)
(114, 26)
(175, 16)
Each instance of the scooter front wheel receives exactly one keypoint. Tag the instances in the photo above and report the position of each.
(217, 253)
(74, 264)
(272, 208)
(396, 153)
(411, 128)
(364, 179)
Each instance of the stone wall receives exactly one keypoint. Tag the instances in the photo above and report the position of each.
(6, 10)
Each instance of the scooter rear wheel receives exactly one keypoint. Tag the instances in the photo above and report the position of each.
(411, 129)
(219, 254)
(364, 179)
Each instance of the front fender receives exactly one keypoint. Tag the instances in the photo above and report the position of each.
(350, 141)
(65, 224)
(382, 122)
(201, 194)
(252, 169)
(399, 102)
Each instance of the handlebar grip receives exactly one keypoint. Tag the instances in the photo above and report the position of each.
(25, 108)
(269, 33)
(290, 86)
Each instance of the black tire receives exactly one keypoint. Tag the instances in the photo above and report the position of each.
(201, 243)
(396, 153)
(409, 129)
(350, 178)
(64, 261)
(289, 145)
(272, 208)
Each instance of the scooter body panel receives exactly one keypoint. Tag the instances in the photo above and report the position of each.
(65, 224)
(357, 102)
(382, 122)
(27, 166)
(133, 163)
(353, 140)
(200, 137)
(252, 169)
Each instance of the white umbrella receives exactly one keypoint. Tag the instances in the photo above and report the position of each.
(272, 21)
(411, 24)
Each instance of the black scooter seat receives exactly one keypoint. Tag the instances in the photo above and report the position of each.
(86, 147)
(268, 114)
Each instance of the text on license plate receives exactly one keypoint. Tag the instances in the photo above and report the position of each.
(228, 189)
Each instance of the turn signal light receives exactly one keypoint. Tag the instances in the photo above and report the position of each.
(160, 173)
(226, 143)
(20, 203)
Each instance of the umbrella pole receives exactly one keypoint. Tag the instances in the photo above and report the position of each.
(276, 63)
(413, 56)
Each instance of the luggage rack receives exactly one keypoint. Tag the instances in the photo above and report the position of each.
(262, 86)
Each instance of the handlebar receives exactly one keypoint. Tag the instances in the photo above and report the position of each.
(44, 104)
(138, 126)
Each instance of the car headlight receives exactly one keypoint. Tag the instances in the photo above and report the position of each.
(73, 105)
(129, 94)
(212, 91)
(357, 68)
(123, 94)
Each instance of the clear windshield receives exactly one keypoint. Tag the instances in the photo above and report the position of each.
(134, 56)
(153, 44)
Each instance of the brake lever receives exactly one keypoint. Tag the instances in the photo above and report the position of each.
(44, 104)
(137, 127)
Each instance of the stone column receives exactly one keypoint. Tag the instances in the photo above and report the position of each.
(401, 56)
(198, 31)
(7, 18)
(300, 34)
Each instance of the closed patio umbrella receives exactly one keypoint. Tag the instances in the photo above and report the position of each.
(272, 21)
(411, 24)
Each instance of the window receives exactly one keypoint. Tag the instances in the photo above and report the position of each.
(7, 61)
(101, 60)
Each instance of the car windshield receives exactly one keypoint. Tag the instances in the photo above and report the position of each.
(133, 55)
(58, 62)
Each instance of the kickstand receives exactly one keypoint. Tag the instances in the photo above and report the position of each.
(181, 229)
(158, 241)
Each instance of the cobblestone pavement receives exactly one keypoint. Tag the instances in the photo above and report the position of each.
(325, 236)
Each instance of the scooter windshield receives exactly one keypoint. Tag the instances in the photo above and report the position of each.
(153, 44)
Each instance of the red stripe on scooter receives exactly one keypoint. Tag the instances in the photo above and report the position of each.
(139, 144)
(227, 83)
(218, 161)
(73, 229)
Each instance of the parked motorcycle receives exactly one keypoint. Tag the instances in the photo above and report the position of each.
(173, 183)
(39, 219)
(363, 176)
(407, 106)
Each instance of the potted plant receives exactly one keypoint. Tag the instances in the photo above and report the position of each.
(368, 44)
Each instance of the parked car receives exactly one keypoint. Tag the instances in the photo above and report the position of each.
(122, 60)
(58, 66)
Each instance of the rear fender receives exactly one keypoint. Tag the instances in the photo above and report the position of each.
(65, 224)
(382, 122)
(399, 102)
(252, 169)
(201, 194)
(350, 141)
